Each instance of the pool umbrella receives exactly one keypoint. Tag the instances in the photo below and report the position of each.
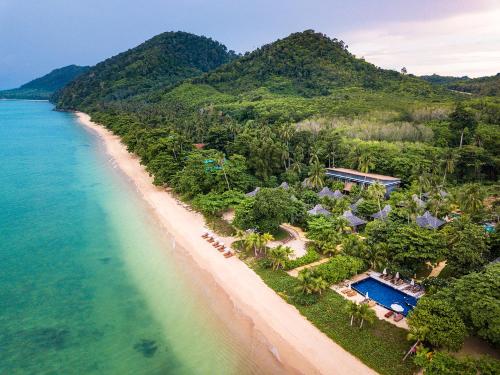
(350, 286)
(397, 275)
(412, 282)
(366, 295)
(397, 308)
(384, 272)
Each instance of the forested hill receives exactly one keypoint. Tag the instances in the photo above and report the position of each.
(308, 64)
(484, 86)
(154, 65)
(44, 87)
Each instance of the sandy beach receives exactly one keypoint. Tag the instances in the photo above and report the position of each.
(293, 341)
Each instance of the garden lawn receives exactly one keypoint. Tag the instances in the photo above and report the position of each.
(380, 345)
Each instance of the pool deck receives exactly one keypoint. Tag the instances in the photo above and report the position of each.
(380, 311)
(376, 276)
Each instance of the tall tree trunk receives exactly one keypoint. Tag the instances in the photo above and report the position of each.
(411, 349)
(362, 321)
(352, 319)
(462, 137)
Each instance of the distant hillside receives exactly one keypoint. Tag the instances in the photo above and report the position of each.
(485, 86)
(156, 64)
(443, 80)
(44, 87)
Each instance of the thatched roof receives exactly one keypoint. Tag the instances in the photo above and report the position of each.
(253, 193)
(319, 210)
(382, 214)
(353, 219)
(429, 221)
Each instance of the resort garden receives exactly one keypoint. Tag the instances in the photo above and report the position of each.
(266, 190)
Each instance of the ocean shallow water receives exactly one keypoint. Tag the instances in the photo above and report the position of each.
(89, 282)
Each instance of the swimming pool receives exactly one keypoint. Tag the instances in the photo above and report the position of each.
(384, 295)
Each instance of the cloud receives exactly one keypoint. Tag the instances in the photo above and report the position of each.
(462, 44)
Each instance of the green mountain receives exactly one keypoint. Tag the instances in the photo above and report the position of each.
(44, 87)
(156, 64)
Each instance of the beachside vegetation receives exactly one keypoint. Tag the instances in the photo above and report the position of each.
(255, 134)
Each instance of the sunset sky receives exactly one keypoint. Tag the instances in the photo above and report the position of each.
(448, 37)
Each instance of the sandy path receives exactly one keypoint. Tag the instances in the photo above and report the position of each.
(295, 342)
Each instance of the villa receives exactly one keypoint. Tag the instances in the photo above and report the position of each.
(319, 210)
(350, 176)
(326, 192)
(383, 213)
(429, 221)
(353, 220)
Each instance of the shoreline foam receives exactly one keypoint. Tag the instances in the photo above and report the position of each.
(290, 338)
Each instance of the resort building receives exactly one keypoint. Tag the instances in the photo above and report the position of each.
(351, 176)
(319, 210)
(353, 220)
(429, 221)
(383, 213)
(326, 192)
(253, 193)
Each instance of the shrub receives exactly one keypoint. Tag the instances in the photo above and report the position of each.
(310, 256)
(340, 268)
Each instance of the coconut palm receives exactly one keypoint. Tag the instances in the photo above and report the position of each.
(279, 256)
(448, 162)
(366, 313)
(316, 175)
(419, 334)
(376, 255)
(352, 308)
(471, 199)
(377, 191)
(264, 240)
(252, 241)
(220, 160)
(366, 162)
(310, 282)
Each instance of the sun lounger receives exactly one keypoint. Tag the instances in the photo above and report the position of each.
(398, 317)
(345, 291)
(389, 313)
(352, 293)
(228, 254)
(371, 303)
(210, 239)
(204, 235)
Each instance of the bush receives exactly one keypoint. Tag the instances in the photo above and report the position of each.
(305, 299)
(310, 257)
(340, 268)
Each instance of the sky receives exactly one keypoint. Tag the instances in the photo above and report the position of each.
(447, 37)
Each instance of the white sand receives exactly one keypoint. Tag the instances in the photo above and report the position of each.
(294, 341)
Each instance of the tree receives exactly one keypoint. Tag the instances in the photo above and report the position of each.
(366, 313)
(417, 334)
(462, 123)
(377, 191)
(467, 249)
(403, 70)
(279, 256)
(352, 308)
(253, 242)
(471, 199)
(310, 281)
(264, 240)
(448, 162)
(366, 162)
(447, 330)
(316, 175)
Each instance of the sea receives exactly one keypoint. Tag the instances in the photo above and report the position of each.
(90, 283)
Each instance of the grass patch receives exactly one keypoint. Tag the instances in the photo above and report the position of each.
(380, 345)
(219, 225)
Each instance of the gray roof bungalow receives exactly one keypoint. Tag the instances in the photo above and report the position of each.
(354, 206)
(383, 213)
(353, 220)
(420, 203)
(349, 176)
(429, 221)
(284, 185)
(319, 210)
(253, 193)
(326, 192)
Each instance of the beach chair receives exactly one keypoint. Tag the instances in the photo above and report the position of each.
(204, 235)
(345, 291)
(398, 317)
(389, 313)
(228, 254)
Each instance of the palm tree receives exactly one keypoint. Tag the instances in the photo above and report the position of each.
(253, 241)
(352, 308)
(316, 175)
(419, 334)
(366, 313)
(471, 199)
(311, 282)
(365, 163)
(377, 191)
(376, 255)
(449, 159)
(279, 256)
(264, 240)
(220, 160)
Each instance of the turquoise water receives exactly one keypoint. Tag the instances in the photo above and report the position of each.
(88, 283)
